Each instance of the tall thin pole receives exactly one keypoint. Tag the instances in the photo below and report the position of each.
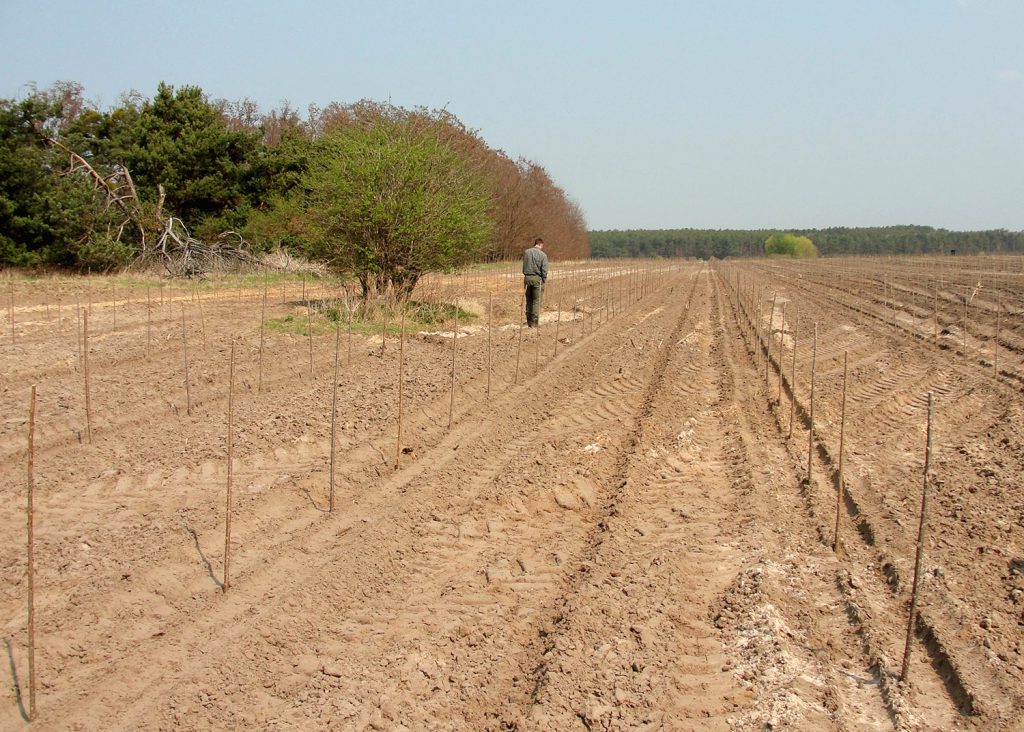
(892, 297)
(965, 322)
(792, 377)
(558, 322)
(78, 329)
(184, 351)
(782, 336)
(920, 542)
(768, 339)
(334, 414)
(836, 545)
(758, 326)
(263, 330)
(85, 368)
(810, 433)
(227, 513)
(519, 348)
(572, 321)
(149, 322)
(455, 338)
(202, 321)
(350, 313)
(490, 305)
(401, 393)
(31, 560)
(995, 343)
(309, 333)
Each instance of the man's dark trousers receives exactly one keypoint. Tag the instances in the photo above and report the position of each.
(534, 292)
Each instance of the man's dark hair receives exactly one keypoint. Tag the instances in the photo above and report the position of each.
(537, 241)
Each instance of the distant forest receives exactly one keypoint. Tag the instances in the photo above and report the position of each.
(722, 243)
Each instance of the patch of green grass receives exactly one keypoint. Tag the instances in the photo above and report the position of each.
(300, 325)
(426, 313)
(326, 320)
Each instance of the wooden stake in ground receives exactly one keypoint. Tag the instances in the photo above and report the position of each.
(350, 312)
(263, 330)
(810, 433)
(202, 321)
(995, 343)
(31, 560)
(401, 392)
(519, 348)
(558, 322)
(184, 351)
(227, 512)
(309, 333)
(782, 336)
(78, 331)
(836, 543)
(149, 322)
(85, 368)
(965, 323)
(455, 338)
(536, 351)
(334, 414)
(792, 377)
(572, 321)
(10, 307)
(758, 326)
(920, 542)
(892, 298)
(490, 305)
(768, 339)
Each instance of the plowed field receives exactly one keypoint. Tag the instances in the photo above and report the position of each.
(627, 524)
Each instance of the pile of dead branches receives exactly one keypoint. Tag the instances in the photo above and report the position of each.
(182, 255)
(163, 240)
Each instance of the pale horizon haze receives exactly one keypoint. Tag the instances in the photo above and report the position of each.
(789, 114)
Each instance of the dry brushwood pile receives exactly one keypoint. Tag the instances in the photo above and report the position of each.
(621, 520)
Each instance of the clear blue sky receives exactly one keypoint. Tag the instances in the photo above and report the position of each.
(709, 114)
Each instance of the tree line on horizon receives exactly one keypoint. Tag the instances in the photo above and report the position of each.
(723, 243)
(368, 187)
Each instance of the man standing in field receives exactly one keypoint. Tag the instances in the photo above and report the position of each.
(535, 275)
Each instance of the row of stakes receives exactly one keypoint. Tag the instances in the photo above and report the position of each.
(892, 305)
(639, 285)
(762, 334)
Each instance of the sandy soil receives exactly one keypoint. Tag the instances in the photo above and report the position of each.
(620, 535)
